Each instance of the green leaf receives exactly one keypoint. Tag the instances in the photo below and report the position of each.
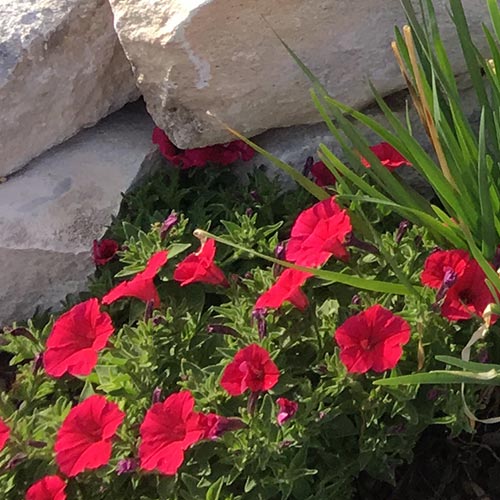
(467, 365)
(215, 490)
(491, 377)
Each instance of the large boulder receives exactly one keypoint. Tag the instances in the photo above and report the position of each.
(61, 69)
(222, 56)
(52, 211)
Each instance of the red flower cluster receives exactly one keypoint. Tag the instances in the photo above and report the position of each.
(76, 338)
(4, 434)
(200, 267)
(460, 284)
(372, 340)
(47, 488)
(171, 427)
(141, 286)
(84, 439)
(318, 233)
(252, 368)
(390, 157)
(103, 251)
(223, 154)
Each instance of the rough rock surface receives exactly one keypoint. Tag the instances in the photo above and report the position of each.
(61, 69)
(51, 212)
(220, 55)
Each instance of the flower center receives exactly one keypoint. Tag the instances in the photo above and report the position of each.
(366, 345)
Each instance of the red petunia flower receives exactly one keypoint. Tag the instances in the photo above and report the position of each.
(252, 368)
(84, 439)
(47, 488)
(286, 289)
(372, 340)
(318, 233)
(4, 434)
(468, 296)
(168, 430)
(389, 157)
(103, 251)
(322, 175)
(287, 410)
(444, 265)
(200, 267)
(223, 154)
(76, 338)
(141, 286)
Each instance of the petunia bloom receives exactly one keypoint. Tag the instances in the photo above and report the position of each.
(460, 284)
(223, 154)
(76, 338)
(372, 340)
(287, 410)
(318, 233)
(468, 296)
(322, 175)
(200, 267)
(84, 439)
(4, 434)
(47, 488)
(141, 286)
(252, 368)
(103, 251)
(286, 289)
(390, 157)
(167, 431)
(442, 264)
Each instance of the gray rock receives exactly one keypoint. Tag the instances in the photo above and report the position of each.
(52, 211)
(221, 56)
(61, 69)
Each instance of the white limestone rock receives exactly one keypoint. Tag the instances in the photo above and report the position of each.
(220, 56)
(61, 69)
(52, 211)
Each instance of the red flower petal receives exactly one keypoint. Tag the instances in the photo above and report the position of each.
(84, 439)
(200, 267)
(252, 368)
(47, 488)
(76, 338)
(223, 154)
(168, 429)
(141, 286)
(4, 434)
(372, 340)
(318, 233)
(286, 289)
(390, 157)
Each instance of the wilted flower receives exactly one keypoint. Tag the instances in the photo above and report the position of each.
(103, 251)
(287, 410)
(126, 466)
